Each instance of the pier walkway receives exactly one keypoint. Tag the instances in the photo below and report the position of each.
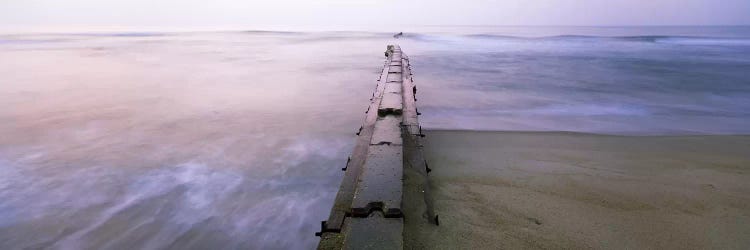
(385, 167)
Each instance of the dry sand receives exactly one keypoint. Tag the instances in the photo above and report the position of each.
(548, 190)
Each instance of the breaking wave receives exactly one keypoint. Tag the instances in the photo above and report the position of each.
(681, 40)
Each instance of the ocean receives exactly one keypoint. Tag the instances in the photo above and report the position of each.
(235, 139)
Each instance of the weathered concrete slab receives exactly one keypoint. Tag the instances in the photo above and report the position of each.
(393, 77)
(387, 131)
(380, 187)
(411, 118)
(414, 130)
(374, 232)
(393, 87)
(416, 183)
(392, 103)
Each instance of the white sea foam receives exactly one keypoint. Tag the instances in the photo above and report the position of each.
(705, 41)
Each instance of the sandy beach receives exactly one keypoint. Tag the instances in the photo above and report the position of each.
(550, 190)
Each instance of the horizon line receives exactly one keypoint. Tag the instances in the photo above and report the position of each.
(308, 28)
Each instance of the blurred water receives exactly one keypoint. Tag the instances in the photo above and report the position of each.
(236, 139)
(636, 83)
(231, 140)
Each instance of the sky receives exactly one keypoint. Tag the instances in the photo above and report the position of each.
(196, 14)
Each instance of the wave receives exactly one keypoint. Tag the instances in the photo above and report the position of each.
(678, 40)
(705, 41)
(492, 36)
(120, 34)
(30, 41)
(681, 40)
(421, 37)
(272, 32)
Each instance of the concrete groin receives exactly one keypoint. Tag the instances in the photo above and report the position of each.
(385, 168)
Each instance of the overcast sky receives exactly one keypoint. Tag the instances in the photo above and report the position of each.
(331, 13)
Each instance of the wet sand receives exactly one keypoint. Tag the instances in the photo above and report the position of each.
(542, 190)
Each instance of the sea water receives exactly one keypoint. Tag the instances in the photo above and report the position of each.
(146, 140)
